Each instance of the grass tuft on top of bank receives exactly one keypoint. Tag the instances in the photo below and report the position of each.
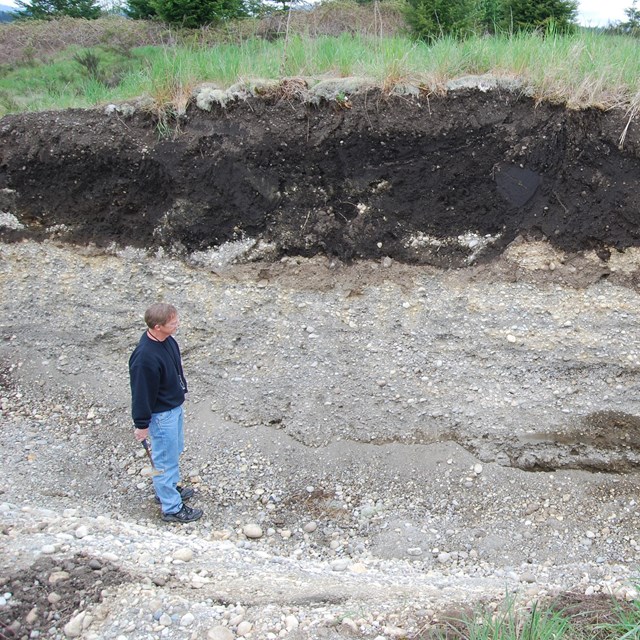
(113, 64)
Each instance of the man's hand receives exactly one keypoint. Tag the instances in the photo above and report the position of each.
(140, 434)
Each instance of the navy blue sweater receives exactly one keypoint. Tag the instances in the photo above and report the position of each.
(156, 377)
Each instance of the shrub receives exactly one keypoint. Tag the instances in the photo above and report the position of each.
(433, 19)
(542, 15)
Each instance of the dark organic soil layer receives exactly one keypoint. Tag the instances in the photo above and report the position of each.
(76, 583)
(357, 179)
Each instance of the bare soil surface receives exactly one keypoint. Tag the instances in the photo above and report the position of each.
(373, 441)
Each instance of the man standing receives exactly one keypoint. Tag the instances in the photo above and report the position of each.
(158, 389)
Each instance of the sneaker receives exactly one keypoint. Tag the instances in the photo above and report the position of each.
(186, 493)
(186, 514)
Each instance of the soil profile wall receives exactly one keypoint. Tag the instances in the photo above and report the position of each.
(426, 179)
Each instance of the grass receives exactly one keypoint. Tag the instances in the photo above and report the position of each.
(509, 622)
(585, 69)
(626, 622)
(568, 618)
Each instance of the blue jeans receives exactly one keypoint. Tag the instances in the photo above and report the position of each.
(167, 443)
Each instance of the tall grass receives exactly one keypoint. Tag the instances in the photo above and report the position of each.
(586, 69)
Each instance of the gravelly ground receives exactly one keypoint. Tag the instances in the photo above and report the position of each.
(405, 438)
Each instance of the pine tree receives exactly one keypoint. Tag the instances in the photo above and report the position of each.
(49, 9)
(541, 14)
(140, 9)
(490, 15)
(432, 19)
(197, 13)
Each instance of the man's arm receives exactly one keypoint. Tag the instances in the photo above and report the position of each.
(144, 391)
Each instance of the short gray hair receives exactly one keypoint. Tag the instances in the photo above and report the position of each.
(159, 313)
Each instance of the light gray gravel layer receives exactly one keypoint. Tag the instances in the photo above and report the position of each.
(370, 443)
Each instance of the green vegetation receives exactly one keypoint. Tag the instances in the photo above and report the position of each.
(631, 25)
(542, 14)
(625, 622)
(428, 19)
(189, 14)
(567, 618)
(433, 19)
(49, 9)
(586, 68)
(509, 623)
(65, 63)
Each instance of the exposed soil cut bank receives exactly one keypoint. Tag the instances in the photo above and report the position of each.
(404, 438)
(423, 179)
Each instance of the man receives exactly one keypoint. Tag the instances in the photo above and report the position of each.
(158, 389)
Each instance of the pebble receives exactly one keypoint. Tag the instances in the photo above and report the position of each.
(220, 633)
(291, 623)
(310, 527)
(244, 628)
(532, 508)
(74, 627)
(252, 531)
(350, 626)
(394, 632)
(187, 619)
(358, 567)
(81, 532)
(184, 554)
(165, 620)
(58, 576)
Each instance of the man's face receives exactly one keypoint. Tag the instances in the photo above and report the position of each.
(169, 327)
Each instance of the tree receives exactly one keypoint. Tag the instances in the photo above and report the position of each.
(632, 25)
(491, 15)
(432, 19)
(188, 13)
(526, 15)
(49, 9)
(140, 9)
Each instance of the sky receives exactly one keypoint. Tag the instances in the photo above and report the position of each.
(598, 13)
(592, 13)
